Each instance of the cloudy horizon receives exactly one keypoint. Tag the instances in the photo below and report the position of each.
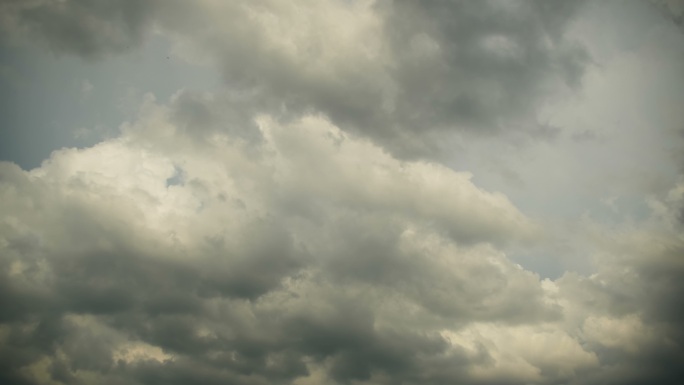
(361, 192)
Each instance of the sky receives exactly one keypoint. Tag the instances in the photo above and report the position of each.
(362, 192)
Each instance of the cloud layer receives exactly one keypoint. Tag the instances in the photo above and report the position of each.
(401, 73)
(312, 256)
(302, 224)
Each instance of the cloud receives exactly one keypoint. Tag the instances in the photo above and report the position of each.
(401, 73)
(309, 254)
(88, 28)
(300, 225)
(228, 267)
(671, 9)
(626, 310)
(407, 75)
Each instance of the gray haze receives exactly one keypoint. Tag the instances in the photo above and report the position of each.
(341, 192)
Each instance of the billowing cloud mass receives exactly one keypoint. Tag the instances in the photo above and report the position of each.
(319, 218)
(400, 72)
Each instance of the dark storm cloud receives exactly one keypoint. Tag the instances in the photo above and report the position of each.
(428, 68)
(405, 74)
(477, 66)
(89, 28)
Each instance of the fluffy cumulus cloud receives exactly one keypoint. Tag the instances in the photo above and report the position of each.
(302, 224)
(309, 256)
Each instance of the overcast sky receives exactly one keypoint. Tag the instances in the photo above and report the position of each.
(339, 192)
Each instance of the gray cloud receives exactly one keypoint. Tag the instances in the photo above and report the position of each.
(89, 28)
(414, 73)
(284, 230)
(634, 328)
(673, 10)
(404, 74)
(239, 292)
(113, 275)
